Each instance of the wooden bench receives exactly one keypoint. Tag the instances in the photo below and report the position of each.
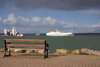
(9, 46)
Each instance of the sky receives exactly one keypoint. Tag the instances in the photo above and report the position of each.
(42, 16)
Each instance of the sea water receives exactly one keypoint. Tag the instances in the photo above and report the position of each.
(59, 42)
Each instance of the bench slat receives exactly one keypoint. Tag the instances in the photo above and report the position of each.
(25, 45)
(24, 40)
(25, 48)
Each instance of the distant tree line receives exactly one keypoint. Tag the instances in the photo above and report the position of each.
(1, 33)
(97, 34)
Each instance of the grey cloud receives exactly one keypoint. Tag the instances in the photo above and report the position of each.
(92, 12)
(52, 4)
(2, 3)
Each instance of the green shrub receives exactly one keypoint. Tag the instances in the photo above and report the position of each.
(11, 51)
(31, 52)
(36, 52)
(64, 49)
(49, 53)
(1, 50)
(69, 51)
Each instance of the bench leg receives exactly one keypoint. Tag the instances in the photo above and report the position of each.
(9, 53)
(5, 53)
(5, 48)
(44, 54)
(47, 53)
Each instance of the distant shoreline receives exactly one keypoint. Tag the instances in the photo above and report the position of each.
(97, 34)
(44, 34)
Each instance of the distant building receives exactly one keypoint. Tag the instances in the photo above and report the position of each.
(14, 32)
(6, 31)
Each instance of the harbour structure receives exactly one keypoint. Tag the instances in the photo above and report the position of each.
(58, 33)
(14, 32)
(7, 31)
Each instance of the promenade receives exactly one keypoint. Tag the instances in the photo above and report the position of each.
(36, 60)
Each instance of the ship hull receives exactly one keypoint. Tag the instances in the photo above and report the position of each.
(59, 34)
(20, 35)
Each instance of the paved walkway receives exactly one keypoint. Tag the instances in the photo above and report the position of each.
(35, 60)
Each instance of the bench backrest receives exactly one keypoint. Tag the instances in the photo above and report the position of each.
(25, 40)
(8, 42)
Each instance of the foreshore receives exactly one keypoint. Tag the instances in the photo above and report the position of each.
(54, 60)
(84, 51)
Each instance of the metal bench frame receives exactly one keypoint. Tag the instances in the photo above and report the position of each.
(7, 42)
